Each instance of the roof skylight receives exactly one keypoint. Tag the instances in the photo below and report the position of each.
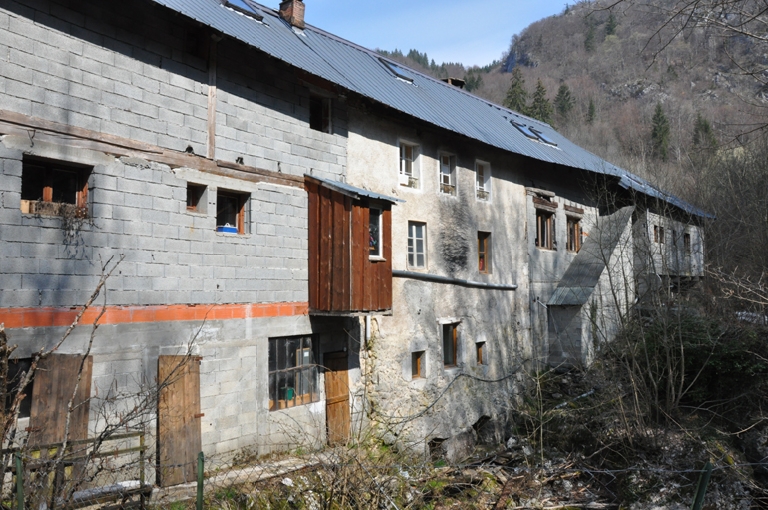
(398, 71)
(525, 130)
(533, 134)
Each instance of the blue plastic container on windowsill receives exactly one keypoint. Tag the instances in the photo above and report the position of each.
(226, 229)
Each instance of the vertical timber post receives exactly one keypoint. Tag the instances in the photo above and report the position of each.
(701, 489)
(19, 482)
(142, 476)
(200, 471)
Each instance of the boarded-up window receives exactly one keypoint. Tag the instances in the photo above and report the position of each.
(55, 380)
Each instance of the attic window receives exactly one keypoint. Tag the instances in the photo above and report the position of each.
(398, 71)
(543, 138)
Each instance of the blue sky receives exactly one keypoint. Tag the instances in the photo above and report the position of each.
(470, 32)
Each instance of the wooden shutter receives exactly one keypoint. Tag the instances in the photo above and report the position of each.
(53, 387)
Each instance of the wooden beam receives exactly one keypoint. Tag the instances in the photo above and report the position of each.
(212, 54)
(12, 123)
(55, 127)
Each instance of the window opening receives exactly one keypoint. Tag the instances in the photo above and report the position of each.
(450, 344)
(574, 234)
(543, 137)
(545, 230)
(484, 252)
(417, 365)
(292, 372)
(409, 175)
(483, 181)
(195, 194)
(320, 113)
(374, 232)
(448, 174)
(232, 212)
(525, 130)
(480, 349)
(398, 71)
(658, 234)
(687, 243)
(16, 368)
(49, 188)
(417, 250)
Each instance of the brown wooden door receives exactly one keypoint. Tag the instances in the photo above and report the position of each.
(178, 418)
(52, 389)
(337, 396)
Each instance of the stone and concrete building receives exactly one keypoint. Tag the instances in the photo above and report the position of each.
(326, 241)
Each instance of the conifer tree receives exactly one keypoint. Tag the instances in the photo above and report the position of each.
(589, 39)
(591, 111)
(564, 101)
(611, 25)
(517, 96)
(703, 136)
(660, 133)
(541, 108)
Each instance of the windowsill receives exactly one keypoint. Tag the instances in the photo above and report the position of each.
(226, 234)
(552, 250)
(418, 269)
(376, 258)
(418, 384)
(196, 213)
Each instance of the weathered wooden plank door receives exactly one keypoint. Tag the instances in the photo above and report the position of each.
(337, 397)
(178, 419)
(52, 389)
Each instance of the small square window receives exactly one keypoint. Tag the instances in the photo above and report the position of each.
(448, 174)
(50, 188)
(417, 244)
(574, 234)
(232, 212)
(658, 234)
(481, 354)
(320, 113)
(450, 344)
(484, 252)
(374, 233)
(292, 372)
(545, 230)
(417, 364)
(195, 200)
(409, 168)
(483, 180)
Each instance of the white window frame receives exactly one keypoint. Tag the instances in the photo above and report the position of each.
(412, 180)
(380, 255)
(412, 239)
(483, 189)
(451, 175)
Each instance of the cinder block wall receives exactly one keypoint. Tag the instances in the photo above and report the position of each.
(123, 69)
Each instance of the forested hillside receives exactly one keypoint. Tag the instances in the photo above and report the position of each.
(675, 107)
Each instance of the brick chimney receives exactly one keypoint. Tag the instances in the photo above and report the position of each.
(292, 11)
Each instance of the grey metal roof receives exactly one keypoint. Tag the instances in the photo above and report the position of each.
(361, 70)
(352, 191)
(584, 271)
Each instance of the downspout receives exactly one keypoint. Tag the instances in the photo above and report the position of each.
(455, 281)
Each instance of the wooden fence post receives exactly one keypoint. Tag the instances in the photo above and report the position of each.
(19, 482)
(200, 471)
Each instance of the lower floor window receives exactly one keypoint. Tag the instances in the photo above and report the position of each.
(292, 372)
(480, 348)
(450, 344)
(417, 364)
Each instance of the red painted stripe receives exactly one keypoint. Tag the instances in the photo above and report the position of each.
(47, 317)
